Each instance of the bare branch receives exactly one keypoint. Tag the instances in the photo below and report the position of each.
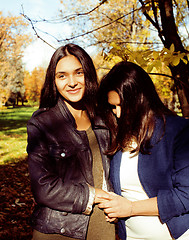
(35, 30)
(77, 36)
(71, 16)
(96, 29)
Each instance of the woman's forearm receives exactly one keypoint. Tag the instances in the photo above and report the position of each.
(146, 207)
(120, 207)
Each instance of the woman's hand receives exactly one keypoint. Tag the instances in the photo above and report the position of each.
(101, 195)
(111, 220)
(119, 207)
(116, 206)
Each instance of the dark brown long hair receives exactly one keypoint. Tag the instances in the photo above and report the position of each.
(140, 105)
(49, 92)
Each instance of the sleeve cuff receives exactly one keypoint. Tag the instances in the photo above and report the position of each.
(91, 200)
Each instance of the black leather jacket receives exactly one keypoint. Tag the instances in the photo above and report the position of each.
(60, 167)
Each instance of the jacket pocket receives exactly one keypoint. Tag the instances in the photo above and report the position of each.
(66, 161)
(62, 152)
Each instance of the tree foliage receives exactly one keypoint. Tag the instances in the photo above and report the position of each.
(33, 83)
(13, 40)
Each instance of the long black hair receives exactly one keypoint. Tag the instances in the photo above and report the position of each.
(49, 92)
(139, 103)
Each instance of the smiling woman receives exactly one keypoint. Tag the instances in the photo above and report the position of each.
(66, 142)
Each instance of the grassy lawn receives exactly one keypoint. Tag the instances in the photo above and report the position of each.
(13, 137)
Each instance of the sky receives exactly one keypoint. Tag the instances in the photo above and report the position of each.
(38, 53)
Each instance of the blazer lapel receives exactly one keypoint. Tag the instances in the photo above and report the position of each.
(115, 172)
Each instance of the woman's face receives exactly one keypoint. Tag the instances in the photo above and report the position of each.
(69, 78)
(114, 101)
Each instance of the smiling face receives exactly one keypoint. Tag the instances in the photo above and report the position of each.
(114, 101)
(69, 78)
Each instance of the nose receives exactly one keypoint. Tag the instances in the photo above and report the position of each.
(72, 82)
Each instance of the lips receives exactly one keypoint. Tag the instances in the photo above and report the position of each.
(74, 91)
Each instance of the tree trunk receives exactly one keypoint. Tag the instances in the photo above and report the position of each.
(181, 71)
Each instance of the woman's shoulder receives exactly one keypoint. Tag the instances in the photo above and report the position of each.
(43, 115)
(39, 111)
(177, 121)
(176, 125)
(38, 114)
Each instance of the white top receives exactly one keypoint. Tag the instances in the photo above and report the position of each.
(140, 227)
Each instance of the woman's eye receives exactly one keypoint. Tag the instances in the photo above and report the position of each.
(61, 76)
(80, 73)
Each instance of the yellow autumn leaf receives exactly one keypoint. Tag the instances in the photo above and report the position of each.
(184, 60)
(175, 61)
(172, 48)
(150, 68)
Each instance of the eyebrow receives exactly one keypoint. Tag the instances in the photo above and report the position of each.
(65, 72)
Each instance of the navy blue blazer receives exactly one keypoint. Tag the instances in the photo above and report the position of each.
(163, 174)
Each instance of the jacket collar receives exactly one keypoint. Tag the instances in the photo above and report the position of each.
(99, 123)
(65, 111)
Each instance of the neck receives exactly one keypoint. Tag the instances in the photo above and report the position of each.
(76, 109)
(80, 115)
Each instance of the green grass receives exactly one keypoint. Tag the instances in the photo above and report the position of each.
(13, 136)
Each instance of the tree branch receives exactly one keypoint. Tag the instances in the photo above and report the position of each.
(79, 35)
(127, 42)
(69, 17)
(169, 76)
(35, 30)
(154, 23)
(164, 75)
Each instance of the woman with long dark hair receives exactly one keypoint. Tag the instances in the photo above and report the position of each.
(66, 145)
(150, 166)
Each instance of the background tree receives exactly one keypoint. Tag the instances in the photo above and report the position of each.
(33, 83)
(13, 40)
